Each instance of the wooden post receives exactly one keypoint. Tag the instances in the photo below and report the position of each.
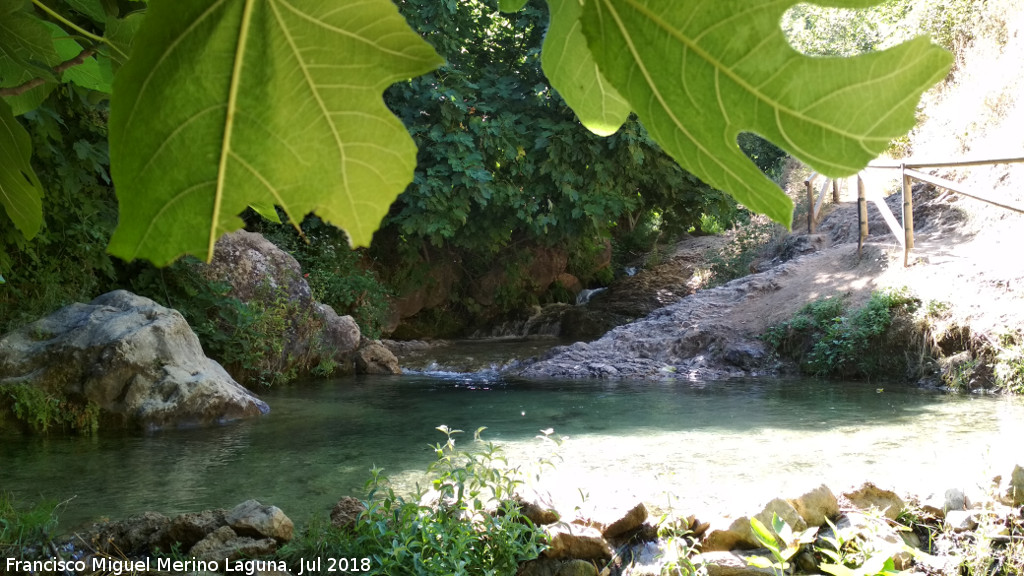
(862, 214)
(908, 215)
(835, 191)
(810, 204)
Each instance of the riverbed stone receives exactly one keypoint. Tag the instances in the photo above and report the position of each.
(535, 510)
(631, 521)
(250, 518)
(346, 512)
(136, 361)
(1015, 489)
(374, 358)
(870, 496)
(817, 505)
(732, 563)
(224, 543)
(575, 541)
(577, 567)
(189, 528)
(257, 271)
(784, 510)
(955, 499)
(960, 520)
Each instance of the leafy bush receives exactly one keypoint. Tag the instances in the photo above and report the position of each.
(1009, 361)
(337, 274)
(254, 341)
(26, 532)
(39, 411)
(751, 241)
(827, 339)
(474, 528)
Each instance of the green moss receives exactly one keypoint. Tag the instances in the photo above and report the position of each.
(39, 412)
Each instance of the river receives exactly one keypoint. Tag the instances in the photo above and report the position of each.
(711, 446)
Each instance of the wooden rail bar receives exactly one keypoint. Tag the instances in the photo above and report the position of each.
(955, 187)
(943, 163)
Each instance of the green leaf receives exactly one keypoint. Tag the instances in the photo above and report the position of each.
(763, 535)
(21, 194)
(760, 562)
(571, 68)
(88, 74)
(511, 5)
(837, 570)
(233, 103)
(91, 8)
(121, 33)
(30, 99)
(26, 50)
(700, 72)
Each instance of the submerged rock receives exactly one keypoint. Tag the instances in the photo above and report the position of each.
(138, 362)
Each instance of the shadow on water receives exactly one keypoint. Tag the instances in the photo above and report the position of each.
(321, 438)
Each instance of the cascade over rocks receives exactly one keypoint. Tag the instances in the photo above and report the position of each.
(135, 360)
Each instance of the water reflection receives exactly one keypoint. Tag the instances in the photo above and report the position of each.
(722, 444)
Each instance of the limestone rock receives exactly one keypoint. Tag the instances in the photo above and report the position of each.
(577, 568)
(250, 518)
(960, 520)
(540, 567)
(870, 496)
(1015, 491)
(537, 513)
(629, 522)
(188, 529)
(134, 535)
(260, 272)
(575, 541)
(955, 499)
(732, 564)
(784, 510)
(346, 512)
(139, 362)
(374, 358)
(224, 543)
(256, 269)
(722, 538)
(817, 505)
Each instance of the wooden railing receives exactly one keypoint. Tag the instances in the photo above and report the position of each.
(909, 172)
(814, 207)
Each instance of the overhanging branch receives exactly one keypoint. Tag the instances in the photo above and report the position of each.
(58, 71)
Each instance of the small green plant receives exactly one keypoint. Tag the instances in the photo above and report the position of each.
(470, 523)
(781, 541)
(828, 339)
(751, 240)
(846, 557)
(679, 546)
(26, 532)
(1009, 361)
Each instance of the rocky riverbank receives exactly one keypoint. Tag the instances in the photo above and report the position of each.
(953, 533)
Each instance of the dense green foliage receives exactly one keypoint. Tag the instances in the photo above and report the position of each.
(26, 532)
(39, 412)
(828, 339)
(67, 260)
(473, 527)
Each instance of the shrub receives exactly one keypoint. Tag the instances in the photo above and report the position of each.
(828, 339)
(475, 527)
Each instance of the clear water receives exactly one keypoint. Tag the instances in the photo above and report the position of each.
(725, 447)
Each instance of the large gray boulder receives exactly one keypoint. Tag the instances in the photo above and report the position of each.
(137, 361)
(259, 272)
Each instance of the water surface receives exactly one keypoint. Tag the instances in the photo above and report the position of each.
(724, 446)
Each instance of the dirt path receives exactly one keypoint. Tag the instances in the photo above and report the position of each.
(966, 258)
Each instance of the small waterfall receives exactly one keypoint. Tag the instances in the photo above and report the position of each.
(585, 295)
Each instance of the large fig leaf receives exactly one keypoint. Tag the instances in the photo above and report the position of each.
(571, 69)
(699, 72)
(233, 103)
(21, 194)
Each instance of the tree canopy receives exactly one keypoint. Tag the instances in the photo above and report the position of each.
(218, 106)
